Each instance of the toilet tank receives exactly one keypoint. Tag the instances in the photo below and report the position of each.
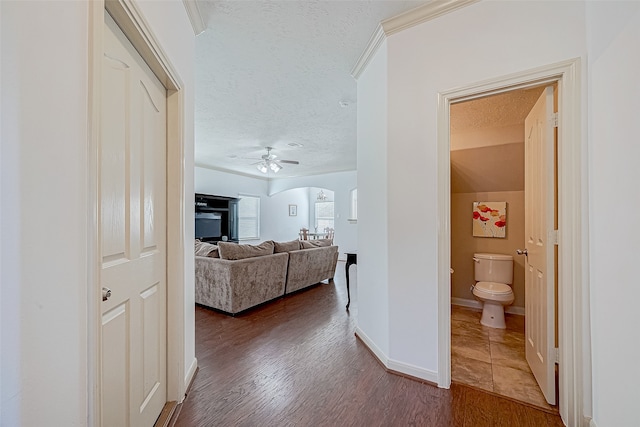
(493, 268)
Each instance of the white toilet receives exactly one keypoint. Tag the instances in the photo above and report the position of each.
(493, 275)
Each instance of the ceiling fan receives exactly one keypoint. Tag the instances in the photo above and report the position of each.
(269, 162)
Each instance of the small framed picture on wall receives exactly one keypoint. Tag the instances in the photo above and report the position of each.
(293, 210)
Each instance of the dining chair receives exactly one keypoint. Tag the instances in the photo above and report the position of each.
(304, 234)
(330, 231)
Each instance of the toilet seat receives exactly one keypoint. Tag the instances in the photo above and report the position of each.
(494, 288)
(493, 291)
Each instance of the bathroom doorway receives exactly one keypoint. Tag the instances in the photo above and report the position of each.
(574, 338)
(487, 155)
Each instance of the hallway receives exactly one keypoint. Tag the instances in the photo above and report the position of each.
(296, 362)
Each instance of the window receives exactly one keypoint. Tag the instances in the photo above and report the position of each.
(248, 217)
(324, 215)
(353, 212)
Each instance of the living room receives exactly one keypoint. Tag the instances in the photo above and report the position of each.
(277, 221)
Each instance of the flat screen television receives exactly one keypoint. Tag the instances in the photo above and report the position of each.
(208, 226)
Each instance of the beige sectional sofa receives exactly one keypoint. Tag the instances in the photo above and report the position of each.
(309, 266)
(233, 278)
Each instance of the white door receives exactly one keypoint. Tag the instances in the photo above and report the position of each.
(540, 241)
(132, 185)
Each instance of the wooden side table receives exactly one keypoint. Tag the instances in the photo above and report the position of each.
(352, 258)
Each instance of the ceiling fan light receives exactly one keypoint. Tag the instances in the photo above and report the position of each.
(274, 167)
(262, 167)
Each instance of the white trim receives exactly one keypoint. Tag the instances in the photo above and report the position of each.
(468, 303)
(372, 347)
(191, 372)
(195, 16)
(574, 334)
(373, 45)
(590, 422)
(475, 304)
(413, 371)
(424, 13)
(95, 23)
(394, 365)
(176, 200)
(131, 21)
(413, 17)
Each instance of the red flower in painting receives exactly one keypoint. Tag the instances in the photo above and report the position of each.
(476, 214)
(484, 208)
(501, 223)
(484, 219)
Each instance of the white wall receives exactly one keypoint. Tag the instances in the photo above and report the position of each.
(341, 183)
(1, 229)
(44, 202)
(278, 225)
(484, 40)
(373, 205)
(44, 358)
(613, 34)
(276, 196)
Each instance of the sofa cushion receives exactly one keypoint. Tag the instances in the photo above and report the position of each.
(206, 249)
(309, 244)
(235, 251)
(293, 245)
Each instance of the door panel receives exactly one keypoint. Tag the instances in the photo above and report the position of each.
(115, 408)
(539, 227)
(133, 235)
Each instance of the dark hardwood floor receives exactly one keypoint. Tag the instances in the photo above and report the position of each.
(296, 362)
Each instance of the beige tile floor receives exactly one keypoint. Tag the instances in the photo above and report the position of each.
(492, 359)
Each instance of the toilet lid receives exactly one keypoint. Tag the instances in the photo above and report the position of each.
(494, 288)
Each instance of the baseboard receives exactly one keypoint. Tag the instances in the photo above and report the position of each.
(372, 347)
(394, 366)
(191, 373)
(472, 303)
(406, 369)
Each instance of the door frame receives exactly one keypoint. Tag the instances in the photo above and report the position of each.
(574, 338)
(128, 16)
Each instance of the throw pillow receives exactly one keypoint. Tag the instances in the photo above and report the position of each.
(234, 251)
(309, 244)
(293, 245)
(206, 249)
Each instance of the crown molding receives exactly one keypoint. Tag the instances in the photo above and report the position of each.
(373, 45)
(193, 11)
(411, 18)
(421, 14)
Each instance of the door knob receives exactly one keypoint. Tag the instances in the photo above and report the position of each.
(106, 294)
(522, 252)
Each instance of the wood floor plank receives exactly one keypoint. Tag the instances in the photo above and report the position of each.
(296, 362)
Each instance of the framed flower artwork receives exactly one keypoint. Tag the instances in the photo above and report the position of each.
(490, 219)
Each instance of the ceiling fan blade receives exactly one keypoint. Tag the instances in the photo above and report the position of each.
(291, 162)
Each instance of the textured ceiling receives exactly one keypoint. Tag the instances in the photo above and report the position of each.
(505, 109)
(275, 73)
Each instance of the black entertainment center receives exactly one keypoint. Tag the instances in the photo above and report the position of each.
(216, 218)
